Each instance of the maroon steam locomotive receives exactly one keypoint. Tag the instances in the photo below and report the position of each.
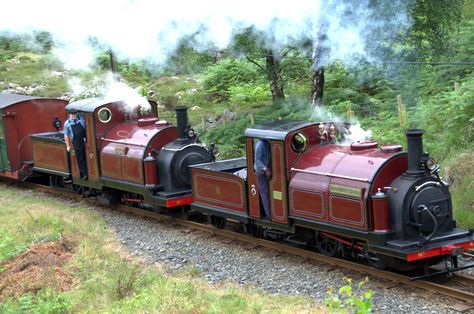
(361, 200)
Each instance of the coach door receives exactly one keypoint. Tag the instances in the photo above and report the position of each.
(4, 165)
(277, 185)
(254, 201)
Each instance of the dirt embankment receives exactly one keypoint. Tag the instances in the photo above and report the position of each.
(41, 267)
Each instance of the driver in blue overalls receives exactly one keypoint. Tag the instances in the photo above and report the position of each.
(262, 166)
(75, 136)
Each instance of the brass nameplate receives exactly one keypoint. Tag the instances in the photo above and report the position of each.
(345, 190)
(277, 195)
(121, 150)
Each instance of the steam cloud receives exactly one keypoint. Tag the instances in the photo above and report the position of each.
(151, 30)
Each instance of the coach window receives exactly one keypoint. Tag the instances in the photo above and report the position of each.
(299, 142)
(104, 115)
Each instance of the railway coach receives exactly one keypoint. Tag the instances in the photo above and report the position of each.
(20, 117)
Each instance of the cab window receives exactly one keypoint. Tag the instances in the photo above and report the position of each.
(299, 142)
(104, 115)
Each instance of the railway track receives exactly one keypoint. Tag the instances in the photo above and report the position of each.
(459, 287)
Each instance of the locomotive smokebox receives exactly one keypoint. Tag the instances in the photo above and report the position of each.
(182, 120)
(415, 151)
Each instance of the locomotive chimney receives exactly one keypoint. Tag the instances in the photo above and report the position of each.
(415, 151)
(182, 120)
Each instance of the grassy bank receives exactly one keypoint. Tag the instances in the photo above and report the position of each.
(103, 278)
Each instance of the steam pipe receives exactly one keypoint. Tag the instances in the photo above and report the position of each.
(415, 151)
(182, 120)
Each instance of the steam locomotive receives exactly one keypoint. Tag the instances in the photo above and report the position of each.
(361, 200)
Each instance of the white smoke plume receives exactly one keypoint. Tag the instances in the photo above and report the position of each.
(121, 91)
(151, 30)
(112, 90)
(355, 132)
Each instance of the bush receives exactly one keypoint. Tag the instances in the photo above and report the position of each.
(219, 78)
(249, 93)
(349, 299)
(45, 302)
(447, 120)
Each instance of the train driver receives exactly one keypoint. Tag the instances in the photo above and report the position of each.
(75, 136)
(262, 166)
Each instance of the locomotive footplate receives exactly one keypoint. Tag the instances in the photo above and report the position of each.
(441, 247)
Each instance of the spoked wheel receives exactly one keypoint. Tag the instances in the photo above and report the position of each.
(326, 245)
(218, 222)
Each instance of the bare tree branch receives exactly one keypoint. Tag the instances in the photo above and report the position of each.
(255, 62)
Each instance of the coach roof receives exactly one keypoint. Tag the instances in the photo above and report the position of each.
(11, 99)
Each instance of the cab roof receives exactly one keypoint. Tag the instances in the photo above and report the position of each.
(11, 99)
(276, 130)
(90, 104)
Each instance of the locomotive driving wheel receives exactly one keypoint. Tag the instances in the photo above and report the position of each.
(326, 245)
(218, 222)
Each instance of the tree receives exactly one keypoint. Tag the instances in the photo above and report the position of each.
(273, 70)
(254, 46)
(433, 22)
(317, 59)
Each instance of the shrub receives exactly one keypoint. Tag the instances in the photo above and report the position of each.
(45, 302)
(249, 93)
(350, 299)
(219, 78)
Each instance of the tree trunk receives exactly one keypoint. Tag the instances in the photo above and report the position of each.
(319, 51)
(113, 65)
(317, 87)
(273, 69)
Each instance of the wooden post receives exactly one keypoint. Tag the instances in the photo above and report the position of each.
(203, 122)
(252, 118)
(457, 86)
(350, 113)
(402, 112)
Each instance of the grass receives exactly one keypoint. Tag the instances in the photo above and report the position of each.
(107, 279)
(459, 172)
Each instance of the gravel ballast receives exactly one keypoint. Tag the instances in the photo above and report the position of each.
(176, 248)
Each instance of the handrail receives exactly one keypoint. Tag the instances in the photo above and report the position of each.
(122, 142)
(326, 174)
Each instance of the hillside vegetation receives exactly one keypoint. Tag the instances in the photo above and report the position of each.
(224, 89)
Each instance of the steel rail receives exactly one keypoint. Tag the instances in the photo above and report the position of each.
(397, 278)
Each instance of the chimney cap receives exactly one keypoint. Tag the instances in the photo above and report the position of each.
(181, 108)
(414, 132)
